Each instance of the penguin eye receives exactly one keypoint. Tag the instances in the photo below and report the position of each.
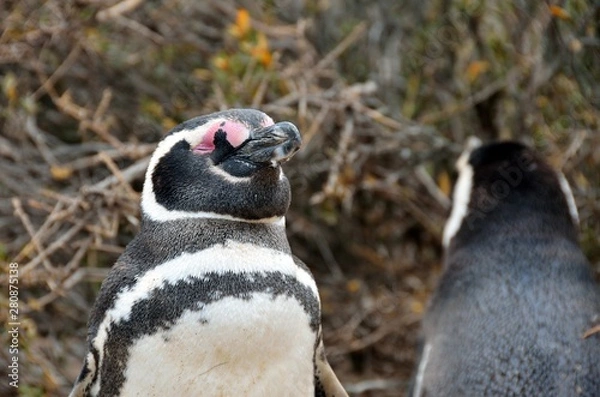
(222, 136)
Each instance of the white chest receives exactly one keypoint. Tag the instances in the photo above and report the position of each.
(259, 343)
(233, 347)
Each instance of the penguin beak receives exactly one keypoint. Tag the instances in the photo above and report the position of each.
(274, 144)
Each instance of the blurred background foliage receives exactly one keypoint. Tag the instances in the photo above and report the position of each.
(385, 93)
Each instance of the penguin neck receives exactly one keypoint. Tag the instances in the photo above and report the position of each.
(514, 249)
(514, 222)
(190, 231)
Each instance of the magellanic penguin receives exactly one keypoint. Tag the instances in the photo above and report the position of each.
(510, 314)
(208, 300)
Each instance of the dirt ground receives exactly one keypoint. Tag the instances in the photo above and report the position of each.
(385, 94)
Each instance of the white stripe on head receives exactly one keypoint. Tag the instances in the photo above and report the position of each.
(267, 121)
(192, 136)
(462, 192)
(150, 206)
(566, 188)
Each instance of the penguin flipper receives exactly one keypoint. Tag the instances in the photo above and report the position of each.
(120, 272)
(81, 387)
(326, 382)
(78, 390)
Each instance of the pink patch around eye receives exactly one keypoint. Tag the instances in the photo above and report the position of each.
(237, 133)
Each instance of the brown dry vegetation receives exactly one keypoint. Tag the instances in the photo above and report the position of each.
(384, 92)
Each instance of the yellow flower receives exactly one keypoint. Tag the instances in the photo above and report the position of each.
(242, 24)
(477, 68)
(261, 52)
(221, 62)
(559, 12)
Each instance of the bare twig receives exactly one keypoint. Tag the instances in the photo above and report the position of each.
(432, 187)
(141, 29)
(119, 175)
(48, 82)
(591, 331)
(332, 186)
(127, 175)
(374, 384)
(370, 339)
(259, 96)
(354, 35)
(118, 10)
(59, 243)
(68, 283)
(37, 136)
(308, 136)
(576, 143)
(458, 107)
(377, 116)
(35, 240)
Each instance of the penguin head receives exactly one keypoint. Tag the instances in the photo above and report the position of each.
(506, 185)
(223, 165)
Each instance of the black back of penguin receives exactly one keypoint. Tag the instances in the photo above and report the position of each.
(517, 295)
(207, 299)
